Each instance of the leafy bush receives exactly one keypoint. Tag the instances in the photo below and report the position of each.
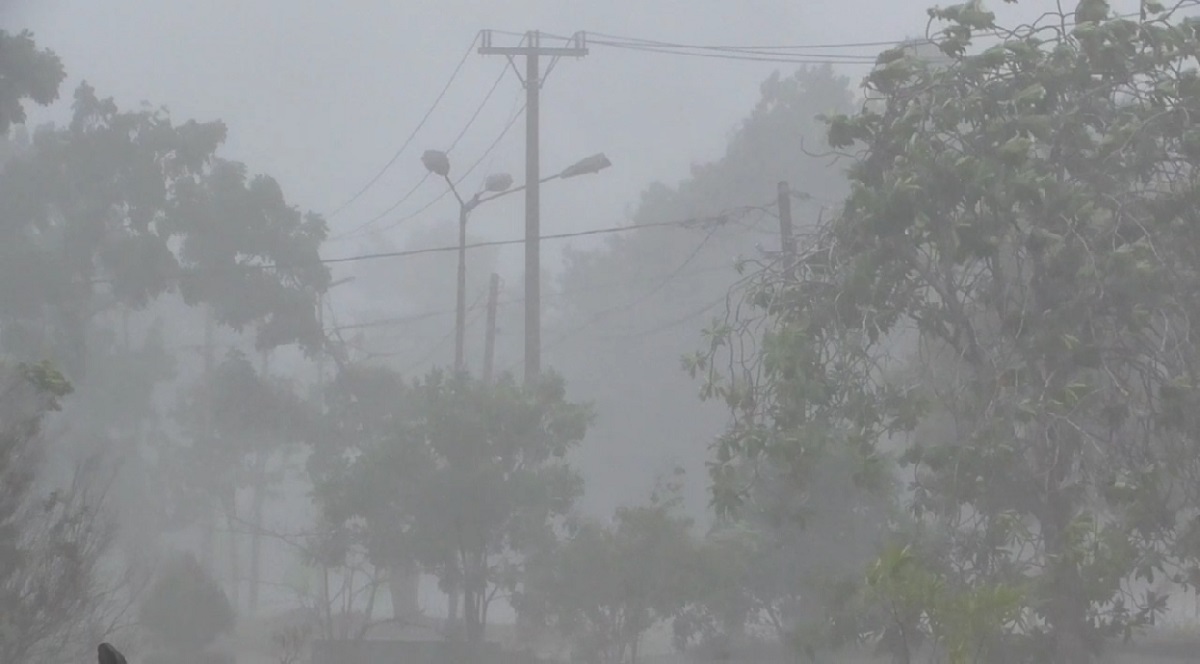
(186, 609)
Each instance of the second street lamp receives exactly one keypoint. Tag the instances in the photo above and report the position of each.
(438, 163)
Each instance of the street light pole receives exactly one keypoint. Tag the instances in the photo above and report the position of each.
(439, 163)
(498, 185)
(460, 312)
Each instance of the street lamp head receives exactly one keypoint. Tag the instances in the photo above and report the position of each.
(436, 162)
(498, 183)
(586, 166)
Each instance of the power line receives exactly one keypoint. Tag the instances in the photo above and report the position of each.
(504, 132)
(436, 347)
(789, 53)
(687, 223)
(748, 56)
(605, 313)
(675, 273)
(720, 219)
(686, 318)
(791, 47)
(411, 136)
(418, 317)
(403, 199)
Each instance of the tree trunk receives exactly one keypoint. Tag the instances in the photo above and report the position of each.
(206, 415)
(231, 543)
(471, 626)
(452, 594)
(259, 498)
(474, 594)
(404, 585)
(1067, 614)
(326, 603)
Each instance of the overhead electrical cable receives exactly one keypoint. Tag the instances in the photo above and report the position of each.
(750, 57)
(782, 53)
(428, 355)
(504, 132)
(404, 199)
(684, 223)
(643, 297)
(792, 47)
(498, 243)
(408, 141)
(566, 293)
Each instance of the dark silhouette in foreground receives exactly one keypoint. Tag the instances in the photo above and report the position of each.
(110, 655)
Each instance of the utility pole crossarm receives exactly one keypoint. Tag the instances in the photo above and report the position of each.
(577, 47)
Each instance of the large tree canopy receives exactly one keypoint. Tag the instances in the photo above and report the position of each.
(608, 584)
(120, 207)
(461, 476)
(1007, 296)
(26, 72)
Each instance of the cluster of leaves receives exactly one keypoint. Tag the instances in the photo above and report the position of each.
(122, 207)
(920, 605)
(458, 475)
(786, 564)
(1005, 301)
(606, 584)
(238, 416)
(28, 73)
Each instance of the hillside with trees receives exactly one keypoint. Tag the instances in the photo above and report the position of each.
(622, 316)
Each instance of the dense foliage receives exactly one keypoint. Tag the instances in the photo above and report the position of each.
(607, 584)
(1003, 307)
(29, 73)
(186, 610)
(458, 475)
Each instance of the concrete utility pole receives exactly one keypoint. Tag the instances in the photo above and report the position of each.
(531, 48)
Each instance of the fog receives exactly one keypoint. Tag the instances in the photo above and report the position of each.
(236, 427)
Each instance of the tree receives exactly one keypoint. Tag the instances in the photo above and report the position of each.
(186, 610)
(128, 215)
(608, 584)
(254, 417)
(360, 410)
(1011, 278)
(790, 561)
(459, 475)
(56, 596)
(28, 73)
(120, 208)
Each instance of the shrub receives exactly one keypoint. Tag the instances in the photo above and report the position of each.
(186, 609)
